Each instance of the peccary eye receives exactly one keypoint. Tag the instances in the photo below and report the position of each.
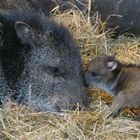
(56, 71)
(94, 74)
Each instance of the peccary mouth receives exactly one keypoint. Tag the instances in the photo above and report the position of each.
(57, 101)
(42, 106)
(55, 104)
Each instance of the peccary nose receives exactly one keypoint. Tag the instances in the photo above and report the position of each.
(80, 104)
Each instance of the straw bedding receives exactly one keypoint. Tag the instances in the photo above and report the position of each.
(18, 123)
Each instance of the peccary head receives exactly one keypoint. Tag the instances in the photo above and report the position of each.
(102, 71)
(52, 77)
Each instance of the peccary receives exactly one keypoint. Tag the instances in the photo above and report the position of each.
(121, 15)
(120, 80)
(51, 77)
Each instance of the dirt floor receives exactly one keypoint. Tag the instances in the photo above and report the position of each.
(18, 123)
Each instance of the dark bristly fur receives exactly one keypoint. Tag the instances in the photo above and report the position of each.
(35, 5)
(118, 79)
(48, 66)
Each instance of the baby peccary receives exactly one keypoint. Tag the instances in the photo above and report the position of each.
(119, 80)
(51, 79)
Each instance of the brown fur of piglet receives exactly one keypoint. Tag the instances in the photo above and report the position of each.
(120, 80)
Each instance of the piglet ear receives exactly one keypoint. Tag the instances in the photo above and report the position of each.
(112, 65)
(24, 32)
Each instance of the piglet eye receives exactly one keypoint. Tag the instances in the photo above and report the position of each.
(94, 74)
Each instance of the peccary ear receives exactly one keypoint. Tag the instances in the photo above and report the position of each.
(24, 32)
(113, 56)
(112, 65)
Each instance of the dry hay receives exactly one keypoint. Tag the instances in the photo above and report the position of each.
(18, 123)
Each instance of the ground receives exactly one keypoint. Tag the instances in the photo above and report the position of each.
(18, 123)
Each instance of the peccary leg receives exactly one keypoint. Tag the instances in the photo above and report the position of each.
(120, 101)
(117, 105)
(124, 98)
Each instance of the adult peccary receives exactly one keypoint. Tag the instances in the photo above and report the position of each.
(51, 78)
(120, 14)
(120, 80)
